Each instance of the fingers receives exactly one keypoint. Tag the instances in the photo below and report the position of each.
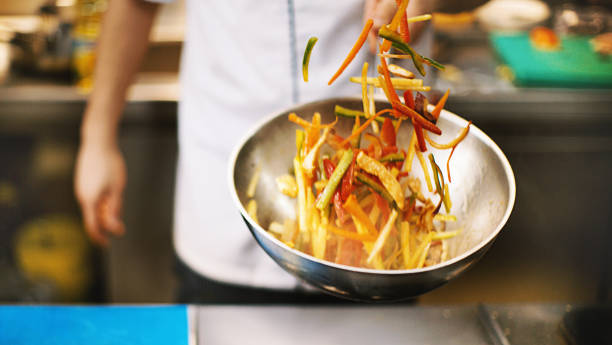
(92, 225)
(372, 42)
(110, 214)
(381, 12)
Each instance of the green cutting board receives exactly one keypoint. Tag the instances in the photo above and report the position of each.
(575, 65)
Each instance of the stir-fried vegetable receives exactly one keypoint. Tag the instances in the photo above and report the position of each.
(358, 200)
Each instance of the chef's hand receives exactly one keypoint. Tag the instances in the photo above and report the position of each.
(381, 12)
(99, 182)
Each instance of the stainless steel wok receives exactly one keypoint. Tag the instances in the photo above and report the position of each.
(482, 190)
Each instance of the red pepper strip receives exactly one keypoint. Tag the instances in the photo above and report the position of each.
(364, 126)
(390, 149)
(387, 77)
(351, 55)
(408, 99)
(448, 163)
(347, 181)
(337, 199)
(387, 133)
(404, 29)
(416, 116)
(436, 112)
(383, 206)
(411, 203)
(420, 138)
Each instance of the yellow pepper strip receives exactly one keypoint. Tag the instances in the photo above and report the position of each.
(350, 234)
(447, 200)
(309, 161)
(300, 139)
(383, 86)
(289, 233)
(418, 253)
(364, 90)
(352, 207)
(398, 83)
(351, 55)
(401, 10)
(286, 184)
(405, 241)
(319, 238)
(376, 168)
(252, 210)
(411, 150)
(374, 213)
(300, 121)
(453, 142)
(302, 209)
(425, 170)
(424, 255)
(444, 235)
(372, 107)
(276, 228)
(445, 217)
(253, 183)
(421, 18)
(382, 237)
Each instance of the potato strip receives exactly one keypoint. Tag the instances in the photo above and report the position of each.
(382, 237)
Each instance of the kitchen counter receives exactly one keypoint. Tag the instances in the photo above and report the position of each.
(517, 324)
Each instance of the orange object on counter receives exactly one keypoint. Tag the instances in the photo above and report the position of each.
(543, 38)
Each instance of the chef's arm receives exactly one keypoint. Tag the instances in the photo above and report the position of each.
(100, 174)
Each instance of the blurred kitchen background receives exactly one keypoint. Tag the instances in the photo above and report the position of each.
(549, 109)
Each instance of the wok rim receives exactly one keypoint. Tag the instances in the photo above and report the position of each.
(447, 115)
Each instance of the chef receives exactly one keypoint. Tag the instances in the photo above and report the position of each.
(240, 61)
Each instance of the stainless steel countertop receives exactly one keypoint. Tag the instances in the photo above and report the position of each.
(376, 324)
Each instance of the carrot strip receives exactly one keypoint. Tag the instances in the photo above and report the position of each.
(453, 142)
(387, 77)
(416, 116)
(300, 121)
(364, 126)
(448, 163)
(408, 99)
(360, 41)
(404, 29)
(352, 206)
(436, 112)
(350, 234)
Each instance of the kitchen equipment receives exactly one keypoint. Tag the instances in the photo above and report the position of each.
(512, 15)
(575, 65)
(483, 197)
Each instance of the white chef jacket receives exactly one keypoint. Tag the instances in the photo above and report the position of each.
(241, 61)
